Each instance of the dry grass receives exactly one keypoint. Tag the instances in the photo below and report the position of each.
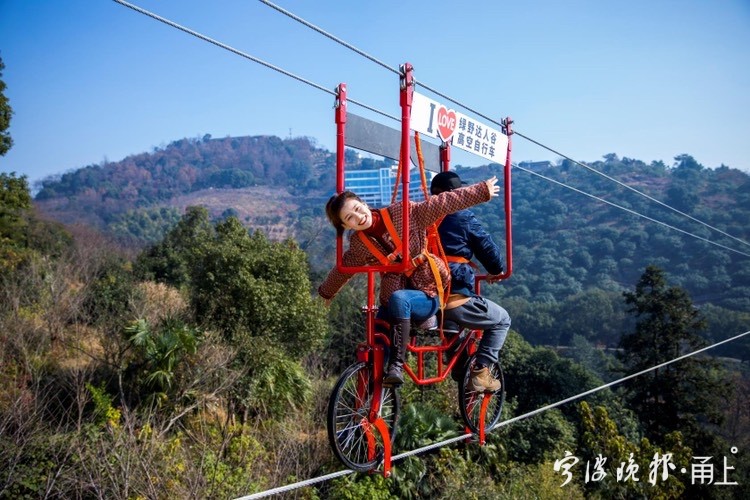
(159, 301)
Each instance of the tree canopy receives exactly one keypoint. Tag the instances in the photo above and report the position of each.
(680, 395)
(6, 112)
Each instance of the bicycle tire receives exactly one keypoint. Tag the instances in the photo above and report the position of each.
(348, 410)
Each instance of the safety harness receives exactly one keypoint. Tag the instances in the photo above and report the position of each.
(396, 255)
(457, 260)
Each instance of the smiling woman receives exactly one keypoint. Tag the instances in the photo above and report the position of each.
(356, 215)
(416, 293)
(345, 211)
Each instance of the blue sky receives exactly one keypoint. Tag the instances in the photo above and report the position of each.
(91, 81)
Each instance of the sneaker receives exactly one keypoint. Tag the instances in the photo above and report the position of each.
(428, 324)
(483, 381)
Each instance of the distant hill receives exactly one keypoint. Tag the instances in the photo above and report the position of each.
(254, 178)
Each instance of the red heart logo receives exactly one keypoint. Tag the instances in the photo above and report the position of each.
(446, 123)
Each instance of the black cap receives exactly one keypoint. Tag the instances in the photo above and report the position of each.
(445, 181)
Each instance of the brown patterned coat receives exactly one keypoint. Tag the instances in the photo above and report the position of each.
(421, 216)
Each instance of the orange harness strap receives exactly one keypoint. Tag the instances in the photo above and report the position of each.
(391, 230)
(457, 260)
(396, 254)
(438, 280)
(373, 249)
(418, 260)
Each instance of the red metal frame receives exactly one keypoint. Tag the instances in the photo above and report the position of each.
(445, 160)
(376, 349)
(508, 206)
(445, 156)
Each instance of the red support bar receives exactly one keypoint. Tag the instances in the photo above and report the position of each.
(340, 106)
(482, 414)
(407, 94)
(340, 115)
(508, 207)
(370, 313)
(445, 156)
(382, 428)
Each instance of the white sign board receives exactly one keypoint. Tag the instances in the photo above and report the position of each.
(435, 120)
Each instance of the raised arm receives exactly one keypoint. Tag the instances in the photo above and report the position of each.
(440, 205)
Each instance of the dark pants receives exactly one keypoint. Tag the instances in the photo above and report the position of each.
(482, 314)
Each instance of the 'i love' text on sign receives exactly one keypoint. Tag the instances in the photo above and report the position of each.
(436, 120)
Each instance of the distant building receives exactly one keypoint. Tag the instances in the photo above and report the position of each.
(375, 186)
(536, 166)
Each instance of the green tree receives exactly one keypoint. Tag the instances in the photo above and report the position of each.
(246, 285)
(6, 142)
(161, 351)
(148, 225)
(14, 192)
(677, 396)
(171, 260)
(599, 437)
(582, 315)
(15, 203)
(257, 294)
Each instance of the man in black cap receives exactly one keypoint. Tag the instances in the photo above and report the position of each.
(464, 238)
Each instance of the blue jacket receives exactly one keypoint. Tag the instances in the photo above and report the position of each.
(462, 235)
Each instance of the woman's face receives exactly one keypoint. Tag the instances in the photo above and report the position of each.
(355, 215)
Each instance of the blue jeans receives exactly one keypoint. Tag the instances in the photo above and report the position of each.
(409, 304)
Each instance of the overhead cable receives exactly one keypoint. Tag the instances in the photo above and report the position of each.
(464, 106)
(246, 56)
(329, 35)
(599, 172)
(630, 211)
(365, 106)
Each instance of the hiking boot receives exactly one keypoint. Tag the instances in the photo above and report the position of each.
(483, 381)
(399, 340)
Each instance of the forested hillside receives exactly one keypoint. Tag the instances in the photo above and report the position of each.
(160, 334)
(573, 255)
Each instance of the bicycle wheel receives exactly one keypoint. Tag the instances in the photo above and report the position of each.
(471, 401)
(353, 439)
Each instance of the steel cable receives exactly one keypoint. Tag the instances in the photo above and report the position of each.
(630, 211)
(491, 120)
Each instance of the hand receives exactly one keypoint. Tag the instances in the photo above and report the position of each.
(493, 278)
(492, 186)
